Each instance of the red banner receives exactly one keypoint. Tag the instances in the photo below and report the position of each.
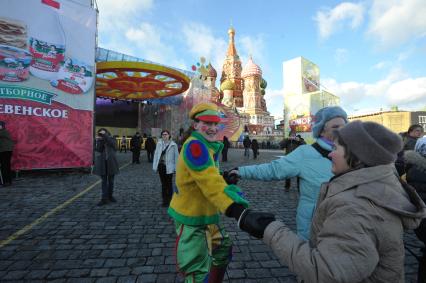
(48, 136)
(302, 124)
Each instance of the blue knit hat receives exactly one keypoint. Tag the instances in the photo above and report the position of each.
(324, 115)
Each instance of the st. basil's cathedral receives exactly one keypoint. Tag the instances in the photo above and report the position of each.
(242, 89)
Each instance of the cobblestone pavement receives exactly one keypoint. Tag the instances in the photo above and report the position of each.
(62, 239)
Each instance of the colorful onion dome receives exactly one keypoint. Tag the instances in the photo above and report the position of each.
(227, 85)
(251, 69)
(211, 71)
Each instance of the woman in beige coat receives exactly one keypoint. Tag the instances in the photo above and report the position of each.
(357, 229)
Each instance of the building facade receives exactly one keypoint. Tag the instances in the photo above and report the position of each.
(397, 121)
(303, 96)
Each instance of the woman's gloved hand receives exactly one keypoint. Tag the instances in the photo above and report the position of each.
(254, 222)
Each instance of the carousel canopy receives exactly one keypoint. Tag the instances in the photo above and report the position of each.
(126, 80)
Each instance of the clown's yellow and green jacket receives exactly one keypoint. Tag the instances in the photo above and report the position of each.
(201, 194)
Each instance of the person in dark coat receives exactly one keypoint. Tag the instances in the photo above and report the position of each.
(414, 132)
(180, 138)
(106, 164)
(416, 177)
(6, 149)
(226, 145)
(247, 145)
(300, 139)
(291, 143)
(150, 148)
(135, 146)
(255, 148)
(409, 138)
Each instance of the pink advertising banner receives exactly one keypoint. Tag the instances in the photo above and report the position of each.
(47, 71)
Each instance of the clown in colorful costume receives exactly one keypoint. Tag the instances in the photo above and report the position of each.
(203, 247)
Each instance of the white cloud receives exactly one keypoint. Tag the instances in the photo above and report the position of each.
(202, 43)
(116, 15)
(251, 46)
(396, 22)
(395, 89)
(331, 20)
(148, 39)
(119, 20)
(408, 92)
(381, 65)
(340, 56)
(275, 102)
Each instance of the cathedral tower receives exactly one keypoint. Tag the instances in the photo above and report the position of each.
(211, 84)
(232, 70)
(252, 76)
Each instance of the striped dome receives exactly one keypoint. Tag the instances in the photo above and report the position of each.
(251, 69)
(227, 85)
(211, 71)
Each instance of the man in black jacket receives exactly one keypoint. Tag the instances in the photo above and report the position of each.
(135, 146)
(150, 148)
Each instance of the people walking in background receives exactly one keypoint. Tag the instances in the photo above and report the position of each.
(255, 148)
(135, 146)
(309, 162)
(247, 145)
(165, 159)
(6, 149)
(150, 148)
(409, 139)
(106, 164)
(226, 145)
(203, 248)
(123, 144)
(415, 161)
(289, 144)
(361, 214)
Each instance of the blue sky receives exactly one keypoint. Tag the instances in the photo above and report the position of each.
(371, 53)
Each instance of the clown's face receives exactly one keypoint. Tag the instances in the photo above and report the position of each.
(208, 130)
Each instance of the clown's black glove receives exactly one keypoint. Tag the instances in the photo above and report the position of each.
(235, 210)
(254, 222)
(230, 179)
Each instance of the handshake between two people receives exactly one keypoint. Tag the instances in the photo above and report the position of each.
(250, 221)
(232, 176)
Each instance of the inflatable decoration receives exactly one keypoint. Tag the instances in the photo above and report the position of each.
(230, 123)
(201, 68)
(138, 80)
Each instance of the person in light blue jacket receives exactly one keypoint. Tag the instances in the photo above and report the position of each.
(308, 162)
